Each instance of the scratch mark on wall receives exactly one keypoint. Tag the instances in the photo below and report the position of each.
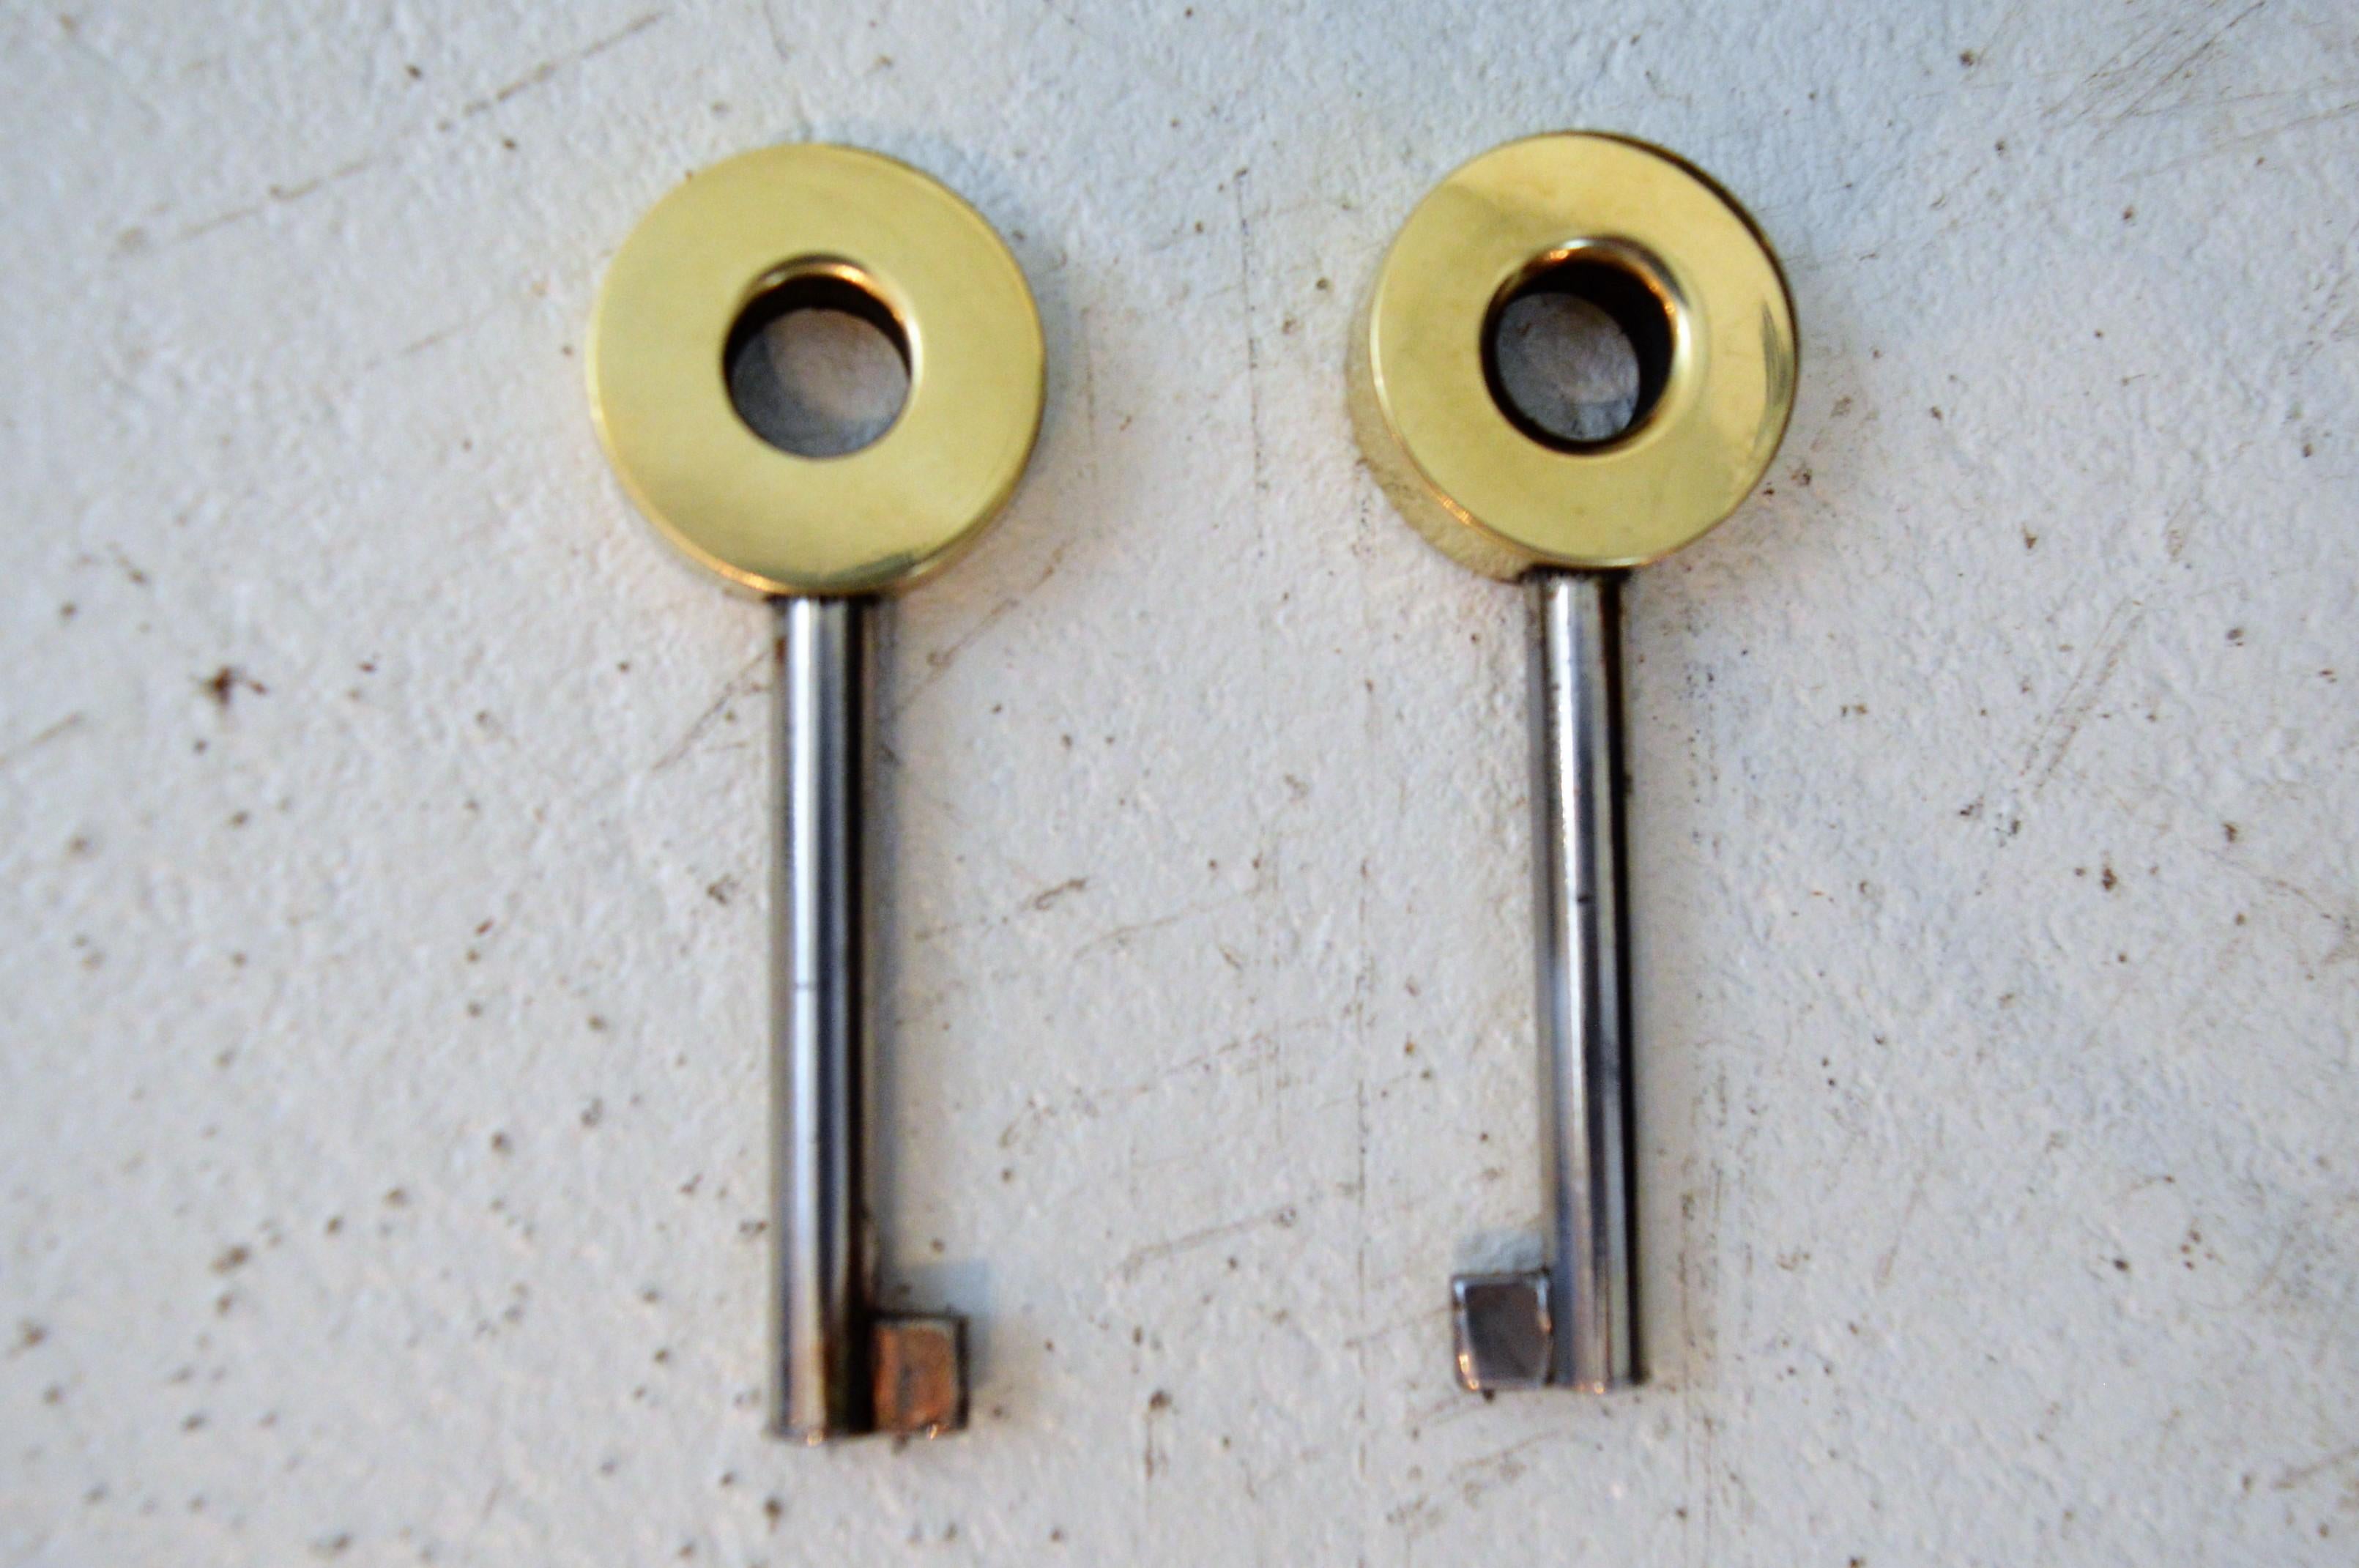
(1120, 936)
(419, 345)
(64, 726)
(1498, 1468)
(745, 683)
(2346, 919)
(318, 182)
(549, 69)
(277, 195)
(2130, 77)
(2184, 67)
(1253, 348)
(70, 27)
(1048, 896)
(1900, 1233)
(1135, 65)
(2304, 1473)
(1246, 1055)
(778, 33)
(2246, 140)
(1130, 1267)
(1422, 1516)
(1153, 1458)
(2058, 730)
(940, 661)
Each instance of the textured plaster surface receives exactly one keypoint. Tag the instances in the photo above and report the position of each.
(383, 906)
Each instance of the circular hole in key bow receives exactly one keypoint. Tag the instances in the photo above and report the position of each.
(1577, 348)
(817, 365)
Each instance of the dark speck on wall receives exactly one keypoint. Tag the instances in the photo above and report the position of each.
(222, 685)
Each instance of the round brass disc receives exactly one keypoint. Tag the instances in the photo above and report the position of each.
(1480, 485)
(868, 522)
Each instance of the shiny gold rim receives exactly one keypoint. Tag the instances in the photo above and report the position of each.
(874, 520)
(1478, 482)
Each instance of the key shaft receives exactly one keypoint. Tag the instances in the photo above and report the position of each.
(1582, 933)
(819, 1025)
(841, 1368)
(1573, 1323)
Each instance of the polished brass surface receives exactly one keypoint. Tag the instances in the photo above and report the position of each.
(1480, 482)
(785, 218)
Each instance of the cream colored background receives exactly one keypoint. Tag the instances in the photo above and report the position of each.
(381, 1091)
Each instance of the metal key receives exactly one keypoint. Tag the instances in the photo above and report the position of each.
(750, 239)
(1667, 257)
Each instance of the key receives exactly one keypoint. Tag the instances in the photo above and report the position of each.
(1609, 226)
(822, 535)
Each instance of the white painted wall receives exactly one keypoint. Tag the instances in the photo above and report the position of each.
(381, 1077)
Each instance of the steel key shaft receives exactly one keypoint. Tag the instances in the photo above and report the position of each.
(1574, 1323)
(843, 1369)
(819, 1025)
(1582, 931)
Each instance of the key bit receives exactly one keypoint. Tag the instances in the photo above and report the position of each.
(1680, 269)
(758, 235)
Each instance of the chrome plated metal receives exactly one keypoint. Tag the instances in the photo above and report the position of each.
(1505, 1334)
(1586, 1317)
(819, 1026)
(1583, 968)
(841, 1367)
